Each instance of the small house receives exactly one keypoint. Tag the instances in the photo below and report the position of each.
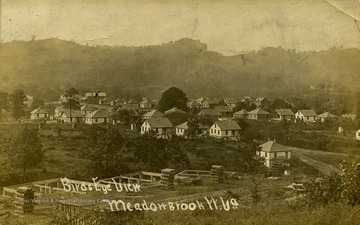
(306, 115)
(261, 102)
(225, 111)
(284, 114)
(210, 103)
(326, 116)
(180, 129)
(85, 109)
(39, 113)
(146, 104)
(259, 114)
(210, 113)
(193, 104)
(272, 151)
(75, 116)
(162, 126)
(231, 102)
(240, 114)
(225, 129)
(153, 114)
(97, 117)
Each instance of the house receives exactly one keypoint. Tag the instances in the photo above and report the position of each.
(153, 114)
(210, 103)
(193, 104)
(258, 114)
(349, 116)
(59, 110)
(162, 126)
(240, 114)
(74, 116)
(146, 104)
(261, 102)
(225, 129)
(180, 129)
(231, 102)
(200, 100)
(97, 117)
(210, 113)
(284, 114)
(248, 100)
(306, 115)
(85, 109)
(225, 111)
(39, 113)
(272, 151)
(95, 94)
(174, 110)
(326, 116)
(357, 135)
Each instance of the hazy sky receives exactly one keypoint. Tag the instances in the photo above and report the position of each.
(227, 26)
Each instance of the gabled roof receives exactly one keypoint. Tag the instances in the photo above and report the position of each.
(87, 108)
(230, 100)
(94, 94)
(259, 112)
(201, 99)
(307, 112)
(154, 113)
(174, 110)
(272, 146)
(39, 111)
(327, 115)
(284, 112)
(159, 122)
(209, 112)
(185, 126)
(241, 112)
(60, 108)
(228, 125)
(212, 100)
(145, 100)
(74, 113)
(260, 99)
(133, 101)
(248, 98)
(97, 114)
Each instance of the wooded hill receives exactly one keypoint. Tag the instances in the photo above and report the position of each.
(45, 68)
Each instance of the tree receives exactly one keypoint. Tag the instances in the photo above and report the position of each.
(248, 160)
(357, 106)
(25, 150)
(4, 101)
(193, 129)
(17, 99)
(105, 150)
(72, 101)
(38, 103)
(159, 153)
(173, 97)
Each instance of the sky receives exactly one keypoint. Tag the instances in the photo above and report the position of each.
(227, 26)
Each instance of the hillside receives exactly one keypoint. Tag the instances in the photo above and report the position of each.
(44, 68)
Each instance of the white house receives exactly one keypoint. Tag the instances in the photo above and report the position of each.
(258, 114)
(272, 151)
(240, 114)
(357, 135)
(225, 129)
(306, 115)
(162, 126)
(97, 117)
(181, 128)
(153, 114)
(39, 113)
(59, 110)
(75, 116)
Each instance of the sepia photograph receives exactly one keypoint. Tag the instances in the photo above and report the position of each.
(179, 112)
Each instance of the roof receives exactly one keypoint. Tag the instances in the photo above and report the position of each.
(87, 108)
(94, 94)
(259, 112)
(97, 114)
(154, 113)
(39, 111)
(133, 101)
(212, 100)
(174, 110)
(241, 112)
(74, 113)
(284, 112)
(228, 125)
(159, 122)
(272, 146)
(260, 99)
(327, 115)
(201, 99)
(307, 112)
(193, 103)
(185, 126)
(60, 109)
(209, 112)
(231, 100)
(223, 109)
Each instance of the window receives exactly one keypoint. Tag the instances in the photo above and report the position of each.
(233, 132)
(265, 154)
(286, 154)
(218, 132)
(226, 132)
(307, 117)
(275, 155)
(95, 120)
